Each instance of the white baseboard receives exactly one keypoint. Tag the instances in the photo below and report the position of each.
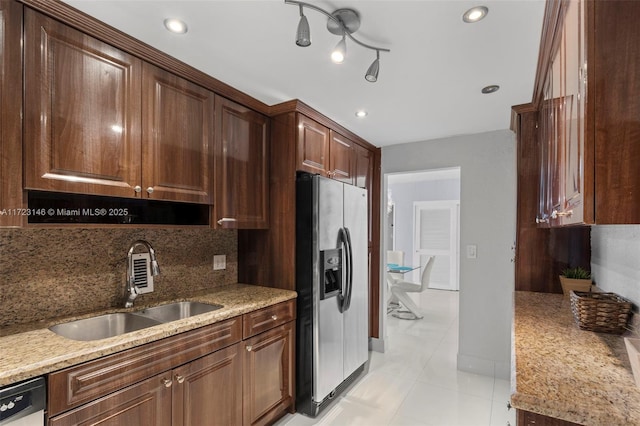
(376, 344)
(485, 367)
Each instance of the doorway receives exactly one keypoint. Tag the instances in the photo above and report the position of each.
(423, 202)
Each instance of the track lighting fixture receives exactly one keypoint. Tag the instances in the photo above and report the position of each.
(303, 35)
(340, 51)
(372, 73)
(342, 22)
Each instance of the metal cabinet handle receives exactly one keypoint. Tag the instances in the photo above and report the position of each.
(137, 189)
(226, 219)
(249, 348)
(166, 382)
(179, 378)
(556, 214)
(274, 317)
(509, 407)
(150, 190)
(541, 220)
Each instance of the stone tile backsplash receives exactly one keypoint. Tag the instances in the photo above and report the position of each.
(49, 273)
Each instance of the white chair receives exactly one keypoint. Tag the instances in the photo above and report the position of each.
(400, 289)
(397, 257)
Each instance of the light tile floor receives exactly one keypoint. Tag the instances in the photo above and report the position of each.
(415, 382)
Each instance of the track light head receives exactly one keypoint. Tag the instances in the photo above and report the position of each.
(340, 51)
(303, 34)
(372, 73)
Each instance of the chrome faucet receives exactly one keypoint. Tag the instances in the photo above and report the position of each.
(132, 289)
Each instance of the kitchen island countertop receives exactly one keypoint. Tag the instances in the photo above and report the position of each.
(33, 350)
(566, 373)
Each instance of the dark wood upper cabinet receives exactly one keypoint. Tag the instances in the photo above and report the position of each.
(341, 158)
(82, 112)
(324, 151)
(363, 167)
(177, 135)
(10, 113)
(242, 167)
(588, 75)
(313, 146)
(100, 121)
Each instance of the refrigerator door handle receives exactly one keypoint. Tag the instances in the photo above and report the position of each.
(350, 270)
(344, 237)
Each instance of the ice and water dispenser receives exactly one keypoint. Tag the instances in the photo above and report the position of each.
(331, 261)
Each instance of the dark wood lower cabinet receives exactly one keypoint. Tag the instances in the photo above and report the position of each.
(208, 390)
(527, 418)
(205, 391)
(145, 403)
(207, 376)
(268, 375)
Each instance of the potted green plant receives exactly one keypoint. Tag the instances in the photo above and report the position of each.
(577, 279)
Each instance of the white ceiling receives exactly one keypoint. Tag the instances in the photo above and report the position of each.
(429, 84)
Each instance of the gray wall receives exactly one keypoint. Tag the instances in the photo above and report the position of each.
(404, 194)
(615, 256)
(487, 219)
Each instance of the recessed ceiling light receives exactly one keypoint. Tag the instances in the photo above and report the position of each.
(490, 89)
(175, 25)
(361, 114)
(475, 14)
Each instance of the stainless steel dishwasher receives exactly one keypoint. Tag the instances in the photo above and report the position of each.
(23, 404)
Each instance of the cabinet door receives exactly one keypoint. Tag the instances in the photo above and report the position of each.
(268, 375)
(341, 158)
(209, 390)
(145, 403)
(10, 111)
(313, 146)
(178, 118)
(363, 168)
(82, 112)
(544, 142)
(556, 136)
(573, 51)
(242, 167)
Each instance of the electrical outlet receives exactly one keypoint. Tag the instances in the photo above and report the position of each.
(219, 262)
(472, 251)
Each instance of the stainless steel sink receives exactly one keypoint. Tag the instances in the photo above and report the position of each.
(110, 325)
(103, 326)
(175, 311)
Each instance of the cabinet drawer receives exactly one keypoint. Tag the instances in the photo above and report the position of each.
(267, 318)
(77, 385)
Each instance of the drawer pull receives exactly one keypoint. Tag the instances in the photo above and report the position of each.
(274, 317)
(179, 378)
(166, 382)
(226, 220)
(249, 348)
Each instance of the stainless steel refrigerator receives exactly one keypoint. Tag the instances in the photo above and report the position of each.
(332, 284)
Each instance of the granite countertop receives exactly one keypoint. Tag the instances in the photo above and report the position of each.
(563, 372)
(33, 350)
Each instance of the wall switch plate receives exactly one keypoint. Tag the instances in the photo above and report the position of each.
(219, 262)
(472, 251)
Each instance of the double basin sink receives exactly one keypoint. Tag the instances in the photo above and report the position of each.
(110, 325)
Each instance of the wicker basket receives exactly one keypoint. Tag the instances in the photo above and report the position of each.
(600, 312)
